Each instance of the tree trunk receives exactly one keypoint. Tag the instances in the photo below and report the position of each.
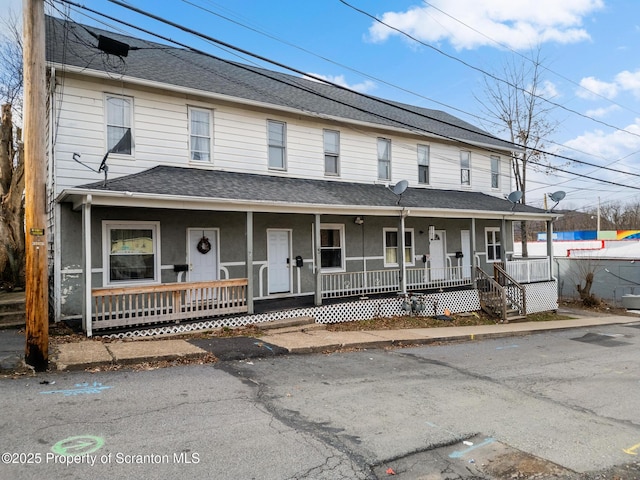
(12, 253)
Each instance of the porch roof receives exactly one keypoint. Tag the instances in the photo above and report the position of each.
(192, 188)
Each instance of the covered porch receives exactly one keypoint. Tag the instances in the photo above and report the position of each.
(330, 241)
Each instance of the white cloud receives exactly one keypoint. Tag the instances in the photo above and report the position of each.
(629, 81)
(593, 88)
(468, 24)
(612, 146)
(362, 87)
(602, 112)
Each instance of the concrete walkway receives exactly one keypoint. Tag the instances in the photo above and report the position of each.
(91, 353)
(88, 353)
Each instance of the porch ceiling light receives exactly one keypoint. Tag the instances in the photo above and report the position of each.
(359, 220)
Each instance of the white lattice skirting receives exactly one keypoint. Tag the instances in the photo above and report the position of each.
(540, 297)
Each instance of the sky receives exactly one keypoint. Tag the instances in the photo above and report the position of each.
(439, 55)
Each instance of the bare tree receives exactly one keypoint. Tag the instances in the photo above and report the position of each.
(11, 63)
(584, 270)
(515, 101)
(12, 249)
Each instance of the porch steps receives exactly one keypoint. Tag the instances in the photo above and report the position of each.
(12, 310)
(287, 325)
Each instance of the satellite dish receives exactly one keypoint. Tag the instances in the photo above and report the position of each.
(514, 197)
(400, 187)
(556, 197)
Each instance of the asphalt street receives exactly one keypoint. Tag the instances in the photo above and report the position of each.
(552, 405)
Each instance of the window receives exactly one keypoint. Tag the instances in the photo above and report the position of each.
(277, 142)
(495, 171)
(423, 164)
(331, 152)
(492, 235)
(119, 114)
(131, 252)
(384, 159)
(332, 247)
(391, 247)
(465, 165)
(200, 134)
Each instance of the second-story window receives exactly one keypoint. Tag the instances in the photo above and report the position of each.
(495, 171)
(119, 121)
(423, 164)
(465, 167)
(331, 152)
(384, 159)
(277, 144)
(200, 134)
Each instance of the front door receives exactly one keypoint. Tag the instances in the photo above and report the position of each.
(203, 254)
(279, 258)
(465, 242)
(437, 260)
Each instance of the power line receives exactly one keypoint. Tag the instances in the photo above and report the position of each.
(484, 72)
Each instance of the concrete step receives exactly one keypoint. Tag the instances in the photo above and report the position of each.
(13, 319)
(297, 328)
(284, 325)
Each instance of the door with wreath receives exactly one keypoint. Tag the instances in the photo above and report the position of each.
(203, 254)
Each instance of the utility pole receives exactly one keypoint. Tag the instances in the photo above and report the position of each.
(36, 274)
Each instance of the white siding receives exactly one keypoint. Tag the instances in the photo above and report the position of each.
(161, 136)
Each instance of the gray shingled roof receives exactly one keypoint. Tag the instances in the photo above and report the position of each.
(191, 182)
(72, 44)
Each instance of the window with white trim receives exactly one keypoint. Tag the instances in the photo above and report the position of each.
(277, 133)
(119, 119)
(199, 134)
(131, 252)
(391, 247)
(384, 159)
(331, 152)
(495, 171)
(423, 164)
(493, 245)
(465, 167)
(332, 253)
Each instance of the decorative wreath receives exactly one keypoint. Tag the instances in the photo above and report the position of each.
(204, 245)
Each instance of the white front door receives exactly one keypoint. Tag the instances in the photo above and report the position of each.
(465, 243)
(203, 267)
(279, 258)
(437, 260)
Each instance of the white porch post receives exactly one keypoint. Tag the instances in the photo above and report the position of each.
(503, 237)
(318, 260)
(86, 262)
(249, 262)
(474, 264)
(550, 246)
(401, 262)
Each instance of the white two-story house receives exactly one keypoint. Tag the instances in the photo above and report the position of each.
(183, 186)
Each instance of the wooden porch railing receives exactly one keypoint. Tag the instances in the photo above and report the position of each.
(344, 284)
(529, 270)
(444, 277)
(168, 302)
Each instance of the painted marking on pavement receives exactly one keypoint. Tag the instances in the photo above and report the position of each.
(262, 344)
(508, 346)
(632, 450)
(460, 453)
(80, 389)
(78, 445)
